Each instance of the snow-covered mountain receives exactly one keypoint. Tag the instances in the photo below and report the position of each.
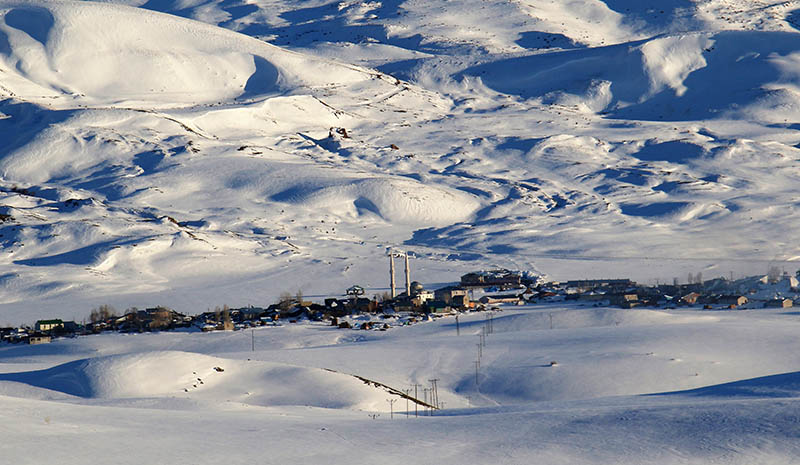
(194, 153)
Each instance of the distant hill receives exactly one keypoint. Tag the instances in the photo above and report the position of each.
(198, 153)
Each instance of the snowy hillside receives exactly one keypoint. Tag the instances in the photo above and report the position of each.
(627, 387)
(201, 152)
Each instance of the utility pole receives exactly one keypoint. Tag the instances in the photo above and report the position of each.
(435, 398)
(253, 340)
(416, 399)
(391, 407)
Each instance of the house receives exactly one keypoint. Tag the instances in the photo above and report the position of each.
(419, 295)
(690, 298)
(404, 304)
(450, 293)
(787, 283)
(250, 313)
(158, 318)
(133, 321)
(500, 299)
(624, 300)
(528, 294)
(422, 297)
(592, 297)
(548, 296)
(5, 333)
(779, 303)
(461, 301)
(362, 304)
(48, 325)
(337, 307)
(503, 279)
(585, 285)
(71, 327)
(438, 306)
(732, 301)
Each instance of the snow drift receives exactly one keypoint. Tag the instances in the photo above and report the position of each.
(181, 374)
(86, 52)
(681, 77)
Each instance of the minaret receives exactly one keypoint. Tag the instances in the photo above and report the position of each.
(408, 277)
(391, 273)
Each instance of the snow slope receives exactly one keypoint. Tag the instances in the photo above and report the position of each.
(203, 152)
(173, 374)
(630, 386)
(181, 62)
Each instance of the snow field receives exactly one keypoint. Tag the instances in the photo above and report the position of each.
(210, 153)
(514, 134)
(583, 410)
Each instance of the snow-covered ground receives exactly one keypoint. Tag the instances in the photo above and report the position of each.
(197, 153)
(629, 387)
(203, 152)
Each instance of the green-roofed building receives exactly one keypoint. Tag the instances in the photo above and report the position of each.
(48, 325)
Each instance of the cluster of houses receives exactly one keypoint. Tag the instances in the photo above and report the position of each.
(475, 292)
(747, 293)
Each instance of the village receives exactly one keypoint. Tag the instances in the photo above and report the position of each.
(475, 292)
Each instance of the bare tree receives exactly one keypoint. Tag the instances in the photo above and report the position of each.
(102, 313)
(133, 319)
(774, 274)
(162, 318)
(286, 301)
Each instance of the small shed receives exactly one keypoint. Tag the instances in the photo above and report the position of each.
(39, 339)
